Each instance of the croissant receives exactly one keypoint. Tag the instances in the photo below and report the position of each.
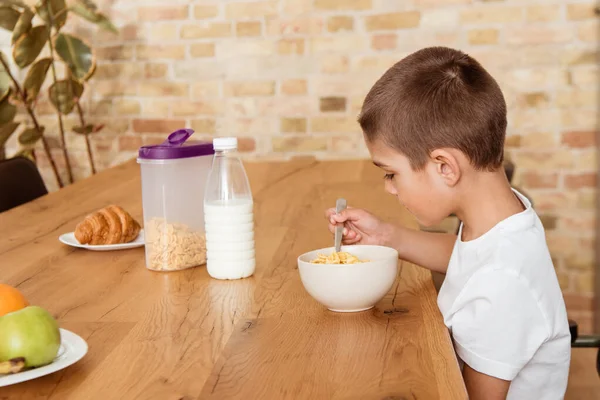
(109, 225)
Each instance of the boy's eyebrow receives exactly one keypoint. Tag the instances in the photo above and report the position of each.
(379, 164)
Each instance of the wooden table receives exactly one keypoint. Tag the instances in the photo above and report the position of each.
(183, 335)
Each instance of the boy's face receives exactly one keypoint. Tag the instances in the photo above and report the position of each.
(424, 193)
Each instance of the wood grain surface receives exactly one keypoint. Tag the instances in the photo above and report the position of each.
(183, 335)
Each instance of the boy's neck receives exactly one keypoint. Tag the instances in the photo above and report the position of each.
(486, 200)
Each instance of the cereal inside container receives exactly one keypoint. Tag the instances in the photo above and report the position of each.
(174, 175)
(173, 246)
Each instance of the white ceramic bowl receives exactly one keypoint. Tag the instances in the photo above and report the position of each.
(350, 287)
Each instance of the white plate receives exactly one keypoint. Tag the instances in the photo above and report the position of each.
(69, 239)
(72, 349)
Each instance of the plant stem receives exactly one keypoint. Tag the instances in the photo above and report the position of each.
(58, 113)
(87, 138)
(83, 125)
(34, 120)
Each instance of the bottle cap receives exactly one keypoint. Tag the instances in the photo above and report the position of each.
(176, 145)
(225, 143)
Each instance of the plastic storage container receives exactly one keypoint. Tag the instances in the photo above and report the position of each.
(174, 176)
(228, 213)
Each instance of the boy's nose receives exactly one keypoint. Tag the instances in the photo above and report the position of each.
(390, 188)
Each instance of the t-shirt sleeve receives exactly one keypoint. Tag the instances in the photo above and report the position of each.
(497, 324)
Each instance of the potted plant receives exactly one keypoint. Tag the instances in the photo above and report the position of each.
(35, 28)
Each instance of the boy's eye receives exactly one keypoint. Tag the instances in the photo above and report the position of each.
(389, 176)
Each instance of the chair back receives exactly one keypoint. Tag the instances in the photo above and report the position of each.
(20, 182)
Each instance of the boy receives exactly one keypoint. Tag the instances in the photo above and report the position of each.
(435, 124)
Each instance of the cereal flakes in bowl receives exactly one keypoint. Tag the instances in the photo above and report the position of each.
(352, 280)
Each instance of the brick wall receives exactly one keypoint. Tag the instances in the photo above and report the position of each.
(288, 77)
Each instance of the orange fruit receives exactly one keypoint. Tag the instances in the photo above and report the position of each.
(11, 299)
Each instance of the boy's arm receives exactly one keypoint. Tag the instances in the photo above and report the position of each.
(484, 387)
(427, 249)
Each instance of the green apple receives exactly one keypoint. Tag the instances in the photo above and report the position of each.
(31, 333)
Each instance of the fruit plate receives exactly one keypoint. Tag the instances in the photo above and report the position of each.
(69, 239)
(72, 349)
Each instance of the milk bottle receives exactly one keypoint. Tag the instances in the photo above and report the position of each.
(228, 215)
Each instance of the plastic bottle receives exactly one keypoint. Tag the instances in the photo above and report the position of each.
(228, 215)
(174, 177)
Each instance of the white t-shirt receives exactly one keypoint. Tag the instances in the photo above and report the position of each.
(504, 308)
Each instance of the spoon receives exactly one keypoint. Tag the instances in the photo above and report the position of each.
(340, 205)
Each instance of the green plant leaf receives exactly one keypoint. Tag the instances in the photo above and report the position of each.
(29, 45)
(8, 18)
(89, 11)
(35, 78)
(8, 95)
(30, 136)
(23, 24)
(7, 111)
(83, 130)
(64, 94)
(6, 130)
(17, 3)
(57, 7)
(77, 54)
(5, 81)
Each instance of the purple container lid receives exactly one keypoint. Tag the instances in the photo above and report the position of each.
(176, 147)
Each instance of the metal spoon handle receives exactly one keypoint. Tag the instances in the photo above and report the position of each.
(340, 205)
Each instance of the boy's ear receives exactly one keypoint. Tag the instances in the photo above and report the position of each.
(447, 166)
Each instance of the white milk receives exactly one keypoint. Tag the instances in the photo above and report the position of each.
(230, 239)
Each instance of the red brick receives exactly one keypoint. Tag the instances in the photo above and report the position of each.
(163, 13)
(157, 125)
(114, 88)
(534, 99)
(198, 50)
(248, 28)
(340, 23)
(131, 32)
(577, 181)
(483, 36)
(580, 302)
(548, 221)
(579, 223)
(392, 21)
(579, 139)
(535, 180)
(160, 88)
(327, 104)
(294, 86)
(129, 143)
(293, 125)
(384, 42)
(512, 141)
(343, 4)
(112, 53)
(119, 71)
(206, 11)
(246, 144)
(584, 282)
(154, 52)
(155, 70)
(576, 12)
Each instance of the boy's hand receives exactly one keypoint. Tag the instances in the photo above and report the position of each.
(360, 227)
